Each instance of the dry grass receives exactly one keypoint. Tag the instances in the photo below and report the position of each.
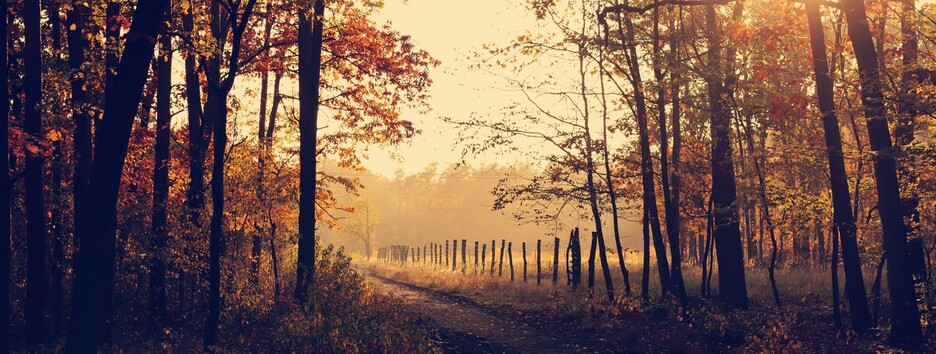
(801, 285)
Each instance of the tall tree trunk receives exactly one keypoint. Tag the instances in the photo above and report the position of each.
(904, 135)
(216, 113)
(674, 219)
(905, 320)
(5, 185)
(35, 209)
(612, 193)
(160, 237)
(235, 22)
(310, 63)
(262, 145)
(196, 183)
(672, 228)
(843, 220)
(590, 177)
(646, 162)
(80, 106)
(727, 235)
(94, 264)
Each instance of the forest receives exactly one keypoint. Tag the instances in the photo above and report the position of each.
(729, 175)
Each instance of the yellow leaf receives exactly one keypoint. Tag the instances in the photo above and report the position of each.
(72, 27)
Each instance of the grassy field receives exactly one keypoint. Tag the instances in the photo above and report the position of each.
(805, 324)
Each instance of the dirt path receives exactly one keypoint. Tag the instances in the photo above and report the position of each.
(467, 327)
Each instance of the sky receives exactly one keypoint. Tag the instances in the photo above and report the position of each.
(451, 31)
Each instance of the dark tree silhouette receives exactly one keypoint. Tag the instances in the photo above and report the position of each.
(35, 209)
(905, 319)
(92, 302)
(842, 218)
(310, 62)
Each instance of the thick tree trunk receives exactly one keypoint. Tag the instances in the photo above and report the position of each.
(843, 220)
(160, 236)
(904, 135)
(727, 235)
(80, 105)
(92, 305)
(34, 309)
(905, 320)
(310, 62)
(5, 185)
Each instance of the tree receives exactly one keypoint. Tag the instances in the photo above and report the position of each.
(626, 33)
(905, 320)
(727, 235)
(94, 264)
(35, 208)
(5, 185)
(364, 224)
(843, 220)
(234, 20)
(310, 63)
(160, 237)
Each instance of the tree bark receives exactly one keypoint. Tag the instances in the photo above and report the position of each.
(92, 305)
(196, 183)
(905, 320)
(161, 158)
(843, 219)
(727, 235)
(904, 135)
(34, 309)
(310, 62)
(5, 185)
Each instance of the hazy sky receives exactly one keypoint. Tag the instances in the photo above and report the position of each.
(451, 31)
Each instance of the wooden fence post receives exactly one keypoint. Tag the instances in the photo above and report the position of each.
(539, 270)
(500, 267)
(575, 246)
(446, 253)
(464, 255)
(454, 255)
(510, 259)
(476, 258)
(591, 261)
(483, 258)
(523, 246)
(493, 253)
(556, 261)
